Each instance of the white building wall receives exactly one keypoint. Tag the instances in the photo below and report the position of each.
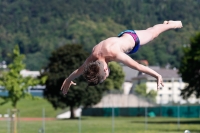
(122, 100)
(26, 73)
(170, 92)
(127, 87)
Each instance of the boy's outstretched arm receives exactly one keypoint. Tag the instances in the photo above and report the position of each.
(124, 58)
(69, 80)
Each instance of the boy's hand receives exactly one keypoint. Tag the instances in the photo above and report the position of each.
(66, 85)
(159, 82)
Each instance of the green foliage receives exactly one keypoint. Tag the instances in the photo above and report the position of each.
(152, 94)
(62, 63)
(14, 82)
(116, 76)
(141, 90)
(190, 67)
(47, 25)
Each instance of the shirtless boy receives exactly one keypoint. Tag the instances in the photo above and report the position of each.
(95, 68)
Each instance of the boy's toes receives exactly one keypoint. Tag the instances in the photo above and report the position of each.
(177, 24)
(165, 22)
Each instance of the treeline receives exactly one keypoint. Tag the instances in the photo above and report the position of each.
(41, 26)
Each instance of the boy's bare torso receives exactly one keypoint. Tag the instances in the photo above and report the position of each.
(110, 47)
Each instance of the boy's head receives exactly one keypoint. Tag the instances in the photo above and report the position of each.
(94, 73)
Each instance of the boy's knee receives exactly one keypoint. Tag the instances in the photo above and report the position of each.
(152, 32)
(153, 35)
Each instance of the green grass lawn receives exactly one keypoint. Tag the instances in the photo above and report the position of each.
(104, 125)
(31, 108)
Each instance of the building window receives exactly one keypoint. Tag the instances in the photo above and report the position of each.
(169, 88)
(170, 95)
(160, 95)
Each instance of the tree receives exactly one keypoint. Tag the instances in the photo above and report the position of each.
(141, 90)
(116, 76)
(87, 23)
(62, 63)
(14, 82)
(190, 68)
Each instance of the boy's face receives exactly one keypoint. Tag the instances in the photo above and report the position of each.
(106, 70)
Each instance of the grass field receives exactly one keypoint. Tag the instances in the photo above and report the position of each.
(106, 125)
(31, 108)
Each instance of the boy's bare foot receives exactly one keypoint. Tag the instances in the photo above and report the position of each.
(165, 22)
(176, 24)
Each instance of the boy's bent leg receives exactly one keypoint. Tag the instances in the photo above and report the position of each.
(149, 34)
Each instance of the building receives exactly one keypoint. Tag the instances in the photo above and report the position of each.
(129, 75)
(127, 98)
(171, 91)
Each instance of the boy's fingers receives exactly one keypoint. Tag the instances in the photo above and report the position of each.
(64, 92)
(158, 87)
(62, 85)
(162, 84)
(61, 88)
(65, 87)
(73, 83)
